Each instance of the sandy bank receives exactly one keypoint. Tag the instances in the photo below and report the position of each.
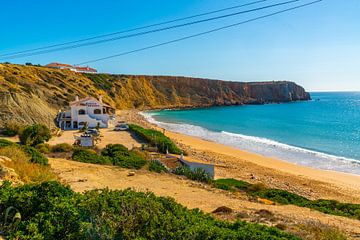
(231, 162)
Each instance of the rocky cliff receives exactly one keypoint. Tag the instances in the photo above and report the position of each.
(34, 94)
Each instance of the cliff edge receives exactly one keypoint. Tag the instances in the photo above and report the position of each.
(31, 94)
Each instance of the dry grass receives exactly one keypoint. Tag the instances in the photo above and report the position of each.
(28, 172)
(318, 231)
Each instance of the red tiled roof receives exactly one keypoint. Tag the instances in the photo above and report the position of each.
(88, 69)
(59, 65)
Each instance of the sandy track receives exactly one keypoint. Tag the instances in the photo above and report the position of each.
(108, 136)
(82, 177)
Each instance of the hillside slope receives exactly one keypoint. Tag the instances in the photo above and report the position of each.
(34, 94)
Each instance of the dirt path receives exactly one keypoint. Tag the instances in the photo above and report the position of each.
(82, 177)
(108, 136)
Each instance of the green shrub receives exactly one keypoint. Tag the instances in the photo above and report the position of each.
(43, 148)
(12, 129)
(196, 174)
(155, 138)
(231, 184)
(5, 143)
(35, 134)
(61, 147)
(36, 156)
(89, 156)
(284, 197)
(53, 211)
(157, 166)
(121, 156)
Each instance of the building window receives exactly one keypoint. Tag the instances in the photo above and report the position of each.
(104, 111)
(81, 112)
(81, 123)
(97, 111)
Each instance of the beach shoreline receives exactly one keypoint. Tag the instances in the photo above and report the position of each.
(231, 162)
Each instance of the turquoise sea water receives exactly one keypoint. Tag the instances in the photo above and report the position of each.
(323, 133)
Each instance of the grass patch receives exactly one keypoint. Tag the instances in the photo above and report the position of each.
(196, 174)
(90, 156)
(284, 197)
(61, 148)
(157, 166)
(5, 143)
(155, 138)
(36, 156)
(53, 211)
(12, 129)
(113, 154)
(21, 162)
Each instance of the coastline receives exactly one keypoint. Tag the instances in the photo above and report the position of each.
(231, 162)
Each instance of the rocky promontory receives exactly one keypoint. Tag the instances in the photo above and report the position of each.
(31, 94)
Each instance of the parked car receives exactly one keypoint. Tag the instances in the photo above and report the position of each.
(121, 127)
(93, 132)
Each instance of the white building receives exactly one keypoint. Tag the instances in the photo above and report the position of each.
(78, 69)
(87, 110)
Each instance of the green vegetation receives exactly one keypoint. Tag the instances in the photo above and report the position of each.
(35, 134)
(12, 129)
(157, 166)
(121, 156)
(21, 162)
(5, 143)
(102, 81)
(36, 156)
(113, 154)
(156, 138)
(53, 211)
(43, 148)
(61, 147)
(196, 174)
(284, 197)
(90, 156)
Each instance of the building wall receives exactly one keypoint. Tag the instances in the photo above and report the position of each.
(90, 117)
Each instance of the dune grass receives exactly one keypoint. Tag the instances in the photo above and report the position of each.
(21, 162)
(279, 196)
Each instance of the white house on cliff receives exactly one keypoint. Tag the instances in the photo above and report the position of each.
(87, 110)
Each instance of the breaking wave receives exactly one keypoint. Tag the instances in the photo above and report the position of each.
(264, 146)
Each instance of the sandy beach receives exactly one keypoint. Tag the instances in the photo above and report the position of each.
(234, 163)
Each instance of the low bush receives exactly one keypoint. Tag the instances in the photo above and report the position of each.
(35, 134)
(12, 129)
(155, 138)
(61, 148)
(5, 143)
(196, 174)
(43, 148)
(53, 211)
(122, 157)
(284, 197)
(36, 156)
(231, 184)
(157, 166)
(89, 156)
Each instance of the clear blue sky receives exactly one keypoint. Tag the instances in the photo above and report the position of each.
(317, 47)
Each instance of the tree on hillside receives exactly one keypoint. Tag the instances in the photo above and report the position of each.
(35, 134)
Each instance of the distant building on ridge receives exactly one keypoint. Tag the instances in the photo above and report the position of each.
(71, 67)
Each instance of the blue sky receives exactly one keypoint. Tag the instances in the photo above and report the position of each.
(317, 47)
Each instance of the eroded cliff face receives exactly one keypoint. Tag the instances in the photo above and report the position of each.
(31, 94)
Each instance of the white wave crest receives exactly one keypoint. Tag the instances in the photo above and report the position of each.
(264, 146)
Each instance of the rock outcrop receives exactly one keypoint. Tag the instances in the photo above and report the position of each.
(31, 94)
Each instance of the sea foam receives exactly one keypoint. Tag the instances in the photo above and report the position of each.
(264, 146)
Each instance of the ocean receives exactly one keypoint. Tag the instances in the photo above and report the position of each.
(323, 133)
